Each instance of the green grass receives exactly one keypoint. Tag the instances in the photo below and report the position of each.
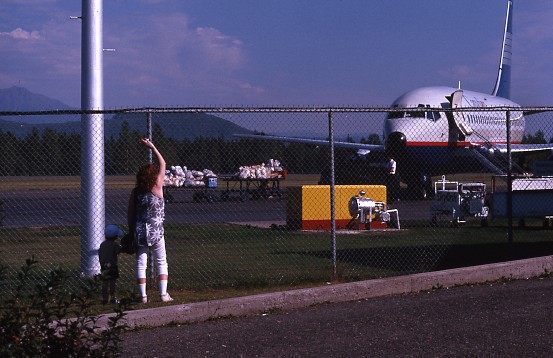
(221, 260)
(214, 261)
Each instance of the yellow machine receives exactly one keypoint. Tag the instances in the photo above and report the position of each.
(308, 206)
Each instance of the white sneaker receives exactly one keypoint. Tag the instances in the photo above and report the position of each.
(166, 298)
(144, 299)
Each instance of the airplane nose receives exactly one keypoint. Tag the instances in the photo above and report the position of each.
(396, 142)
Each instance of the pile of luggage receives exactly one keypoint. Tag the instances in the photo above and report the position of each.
(271, 169)
(179, 176)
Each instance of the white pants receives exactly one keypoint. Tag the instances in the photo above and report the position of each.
(158, 255)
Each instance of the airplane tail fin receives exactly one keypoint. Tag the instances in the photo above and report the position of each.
(503, 83)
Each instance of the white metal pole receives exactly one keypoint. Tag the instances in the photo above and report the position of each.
(92, 138)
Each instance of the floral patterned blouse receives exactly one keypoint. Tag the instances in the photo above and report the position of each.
(150, 214)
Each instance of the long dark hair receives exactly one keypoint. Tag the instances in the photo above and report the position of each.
(146, 176)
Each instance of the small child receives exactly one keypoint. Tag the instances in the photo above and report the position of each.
(109, 249)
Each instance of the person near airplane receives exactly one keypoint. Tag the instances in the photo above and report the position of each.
(392, 181)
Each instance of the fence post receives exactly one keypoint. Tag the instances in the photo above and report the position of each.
(509, 185)
(149, 133)
(332, 195)
(150, 160)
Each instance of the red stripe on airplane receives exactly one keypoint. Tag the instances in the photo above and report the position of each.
(446, 144)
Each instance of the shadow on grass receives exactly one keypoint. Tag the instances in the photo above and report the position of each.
(436, 257)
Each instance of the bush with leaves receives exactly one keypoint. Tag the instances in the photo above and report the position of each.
(50, 319)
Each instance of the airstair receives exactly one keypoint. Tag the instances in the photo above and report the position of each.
(495, 161)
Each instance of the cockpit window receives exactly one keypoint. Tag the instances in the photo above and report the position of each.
(433, 115)
(430, 115)
(415, 114)
(394, 115)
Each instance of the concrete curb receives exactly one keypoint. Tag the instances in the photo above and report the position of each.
(287, 300)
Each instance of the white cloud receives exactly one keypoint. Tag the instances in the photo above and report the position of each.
(535, 26)
(20, 34)
(155, 2)
(456, 72)
(45, 60)
(218, 49)
(176, 60)
(32, 2)
(159, 59)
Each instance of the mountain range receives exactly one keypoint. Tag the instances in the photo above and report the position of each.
(175, 125)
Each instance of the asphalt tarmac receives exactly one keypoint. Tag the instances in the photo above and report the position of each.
(500, 319)
(44, 208)
(47, 208)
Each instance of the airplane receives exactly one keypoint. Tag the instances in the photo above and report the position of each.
(432, 131)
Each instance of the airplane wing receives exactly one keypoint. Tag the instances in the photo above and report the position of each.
(361, 148)
(519, 148)
(529, 112)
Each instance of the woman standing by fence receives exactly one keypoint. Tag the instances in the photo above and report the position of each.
(145, 216)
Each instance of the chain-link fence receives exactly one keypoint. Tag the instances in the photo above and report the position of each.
(254, 211)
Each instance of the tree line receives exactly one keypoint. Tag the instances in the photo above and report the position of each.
(59, 154)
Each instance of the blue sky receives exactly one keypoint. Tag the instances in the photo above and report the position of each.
(277, 52)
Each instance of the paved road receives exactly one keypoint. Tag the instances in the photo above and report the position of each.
(42, 208)
(36, 208)
(513, 319)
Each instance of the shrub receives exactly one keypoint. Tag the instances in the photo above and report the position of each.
(51, 319)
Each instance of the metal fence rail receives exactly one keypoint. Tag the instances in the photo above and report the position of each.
(224, 231)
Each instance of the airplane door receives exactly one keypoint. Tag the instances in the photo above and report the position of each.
(458, 129)
(457, 99)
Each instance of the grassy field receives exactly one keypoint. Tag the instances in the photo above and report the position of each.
(220, 260)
